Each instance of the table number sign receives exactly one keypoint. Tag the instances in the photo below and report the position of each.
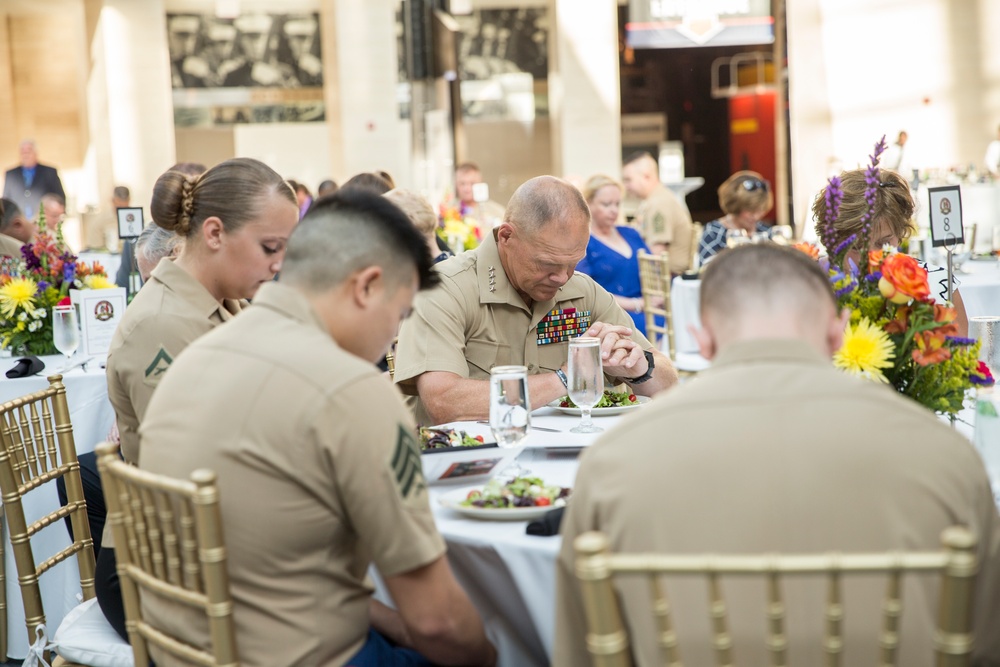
(946, 216)
(100, 311)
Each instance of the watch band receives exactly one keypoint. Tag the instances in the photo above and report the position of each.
(562, 377)
(649, 371)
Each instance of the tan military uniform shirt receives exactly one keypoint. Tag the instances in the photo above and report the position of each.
(9, 246)
(775, 450)
(476, 320)
(319, 476)
(167, 315)
(663, 217)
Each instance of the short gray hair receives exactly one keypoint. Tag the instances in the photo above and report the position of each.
(542, 201)
(155, 243)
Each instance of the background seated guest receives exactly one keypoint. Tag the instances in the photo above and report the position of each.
(775, 450)
(893, 223)
(153, 244)
(15, 229)
(369, 182)
(500, 303)
(327, 187)
(421, 214)
(744, 197)
(235, 220)
(612, 258)
(315, 448)
(54, 206)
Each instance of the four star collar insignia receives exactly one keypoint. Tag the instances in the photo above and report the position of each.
(493, 280)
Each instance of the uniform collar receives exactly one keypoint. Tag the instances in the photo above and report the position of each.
(187, 287)
(495, 287)
(769, 350)
(289, 302)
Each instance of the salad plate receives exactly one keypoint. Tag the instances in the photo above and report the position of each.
(601, 412)
(461, 501)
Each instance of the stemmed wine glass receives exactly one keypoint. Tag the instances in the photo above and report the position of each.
(585, 380)
(65, 332)
(510, 410)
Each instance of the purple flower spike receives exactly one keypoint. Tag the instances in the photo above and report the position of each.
(30, 261)
(833, 196)
(843, 245)
(69, 272)
(42, 286)
(958, 340)
(871, 190)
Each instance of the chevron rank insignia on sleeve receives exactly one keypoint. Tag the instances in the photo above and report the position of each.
(161, 362)
(406, 464)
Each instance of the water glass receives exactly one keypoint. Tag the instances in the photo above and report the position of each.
(782, 234)
(510, 409)
(987, 435)
(585, 375)
(65, 330)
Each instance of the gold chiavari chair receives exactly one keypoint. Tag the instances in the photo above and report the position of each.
(38, 448)
(169, 546)
(697, 229)
(608, 641)
(654, 280)
(390, 358)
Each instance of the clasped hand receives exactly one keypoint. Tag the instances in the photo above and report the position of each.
(620, 355)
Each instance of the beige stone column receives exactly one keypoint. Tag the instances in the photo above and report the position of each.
(359, 59)
(129, 106)
(584, 92)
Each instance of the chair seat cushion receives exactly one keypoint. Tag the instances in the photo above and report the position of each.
(86, 637)
(691, 361)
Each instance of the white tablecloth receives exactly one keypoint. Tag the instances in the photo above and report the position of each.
(508, 574)
(92, 416)
(980, 287)
(684, 311)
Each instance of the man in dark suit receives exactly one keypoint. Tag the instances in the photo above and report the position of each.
(27, 184)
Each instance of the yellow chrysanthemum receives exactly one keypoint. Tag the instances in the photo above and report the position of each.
(18, 293)
(866, 351)
(98, 282)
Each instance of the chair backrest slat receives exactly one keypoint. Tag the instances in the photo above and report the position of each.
(654, 280)
(36, 448)
(608, 642)
(721, 639)
(777, 641)
(665, 627)
(174, 552)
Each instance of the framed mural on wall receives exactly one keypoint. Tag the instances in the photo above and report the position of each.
(255, 68)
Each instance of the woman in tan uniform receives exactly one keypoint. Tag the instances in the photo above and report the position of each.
(235, 220)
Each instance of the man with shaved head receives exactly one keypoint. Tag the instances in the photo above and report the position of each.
(663, 218)
(775, 450)
(516, 300)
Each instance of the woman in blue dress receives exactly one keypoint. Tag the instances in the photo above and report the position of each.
(612, 258)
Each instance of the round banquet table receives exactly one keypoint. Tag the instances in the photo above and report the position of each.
(510, 576)
(92, 417)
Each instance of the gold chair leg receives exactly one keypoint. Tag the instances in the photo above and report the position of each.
(3, 591)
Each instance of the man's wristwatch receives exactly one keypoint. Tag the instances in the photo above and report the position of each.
(562, 377)
(649, 371)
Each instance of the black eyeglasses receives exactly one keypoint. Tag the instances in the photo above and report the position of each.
(753, 183)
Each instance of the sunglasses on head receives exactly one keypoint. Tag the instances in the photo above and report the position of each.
(753, 183)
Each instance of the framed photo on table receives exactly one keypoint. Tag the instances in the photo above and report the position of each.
(130, 222)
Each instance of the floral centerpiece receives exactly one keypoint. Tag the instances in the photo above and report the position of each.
(897, 334)
(458, 228)
(31, 285)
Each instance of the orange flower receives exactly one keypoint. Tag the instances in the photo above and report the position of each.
(945, 316)
(875, 258)
(930, 348)
(807, 248)
(900, 323)
(903, 279)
